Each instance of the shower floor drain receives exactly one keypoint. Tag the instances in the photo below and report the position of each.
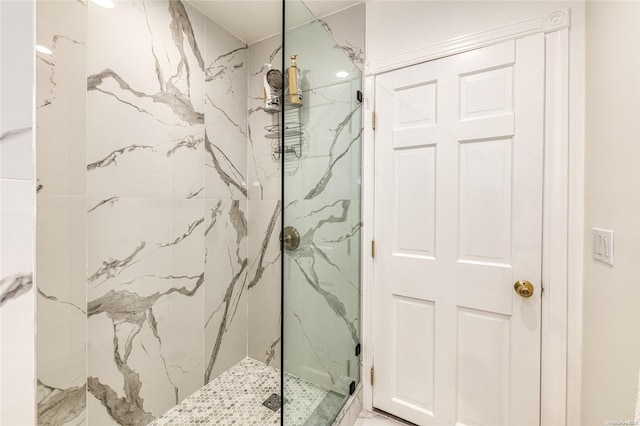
(273, 402)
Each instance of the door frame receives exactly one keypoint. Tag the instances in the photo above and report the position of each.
(562, 248)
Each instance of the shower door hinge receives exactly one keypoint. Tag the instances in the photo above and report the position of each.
(371, 376)
(373, 120)
(373, 248)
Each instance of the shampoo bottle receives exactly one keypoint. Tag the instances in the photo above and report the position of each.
(295, 90)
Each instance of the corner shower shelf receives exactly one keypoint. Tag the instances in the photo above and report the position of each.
(288, 136)
(290, 130)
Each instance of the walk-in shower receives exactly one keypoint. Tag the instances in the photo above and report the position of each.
(168, 286)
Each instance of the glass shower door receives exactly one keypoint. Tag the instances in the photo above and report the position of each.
(321, 167)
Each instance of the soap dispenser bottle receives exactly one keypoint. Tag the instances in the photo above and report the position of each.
(295, 89)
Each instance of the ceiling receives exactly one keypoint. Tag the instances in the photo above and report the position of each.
(254, 20)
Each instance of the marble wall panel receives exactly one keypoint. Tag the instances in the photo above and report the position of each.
(145, 304)
(265, 209)
(61, 309)
(61, 218)
(145, 100)
(226, 285)
(226, 211)
(264, 281)
(225, 115)
(60, 98)
(330, 164)
(347, 28)
(17, 187)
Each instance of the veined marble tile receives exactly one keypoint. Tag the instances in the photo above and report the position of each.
(319, 57)
(16, 302)
(127, 236)
(225, 114)
(263, 170)
(322, 295)
(61, 229)
(226, 285)
(16, 97)
(62, 406)
(330, 230)
(60, 98)
(264, 281)
(145, 100)
(347, 28)
(61, 309)
(330, 167)
(145, 304)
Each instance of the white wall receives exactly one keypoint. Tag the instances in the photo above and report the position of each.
(395, 27)
(611, 351)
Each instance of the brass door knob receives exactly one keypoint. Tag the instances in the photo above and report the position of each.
(523, 288)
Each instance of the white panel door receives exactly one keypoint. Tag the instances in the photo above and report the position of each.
(458, 207)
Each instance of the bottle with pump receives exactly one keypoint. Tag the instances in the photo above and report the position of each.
(295, 89)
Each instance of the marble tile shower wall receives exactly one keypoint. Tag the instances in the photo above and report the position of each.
(61, 213)
(265, 208)
(17, 375)
(142, 208)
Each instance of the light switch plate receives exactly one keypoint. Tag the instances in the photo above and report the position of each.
(603, 245)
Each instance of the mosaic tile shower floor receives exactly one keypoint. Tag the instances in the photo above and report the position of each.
(236, 396)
